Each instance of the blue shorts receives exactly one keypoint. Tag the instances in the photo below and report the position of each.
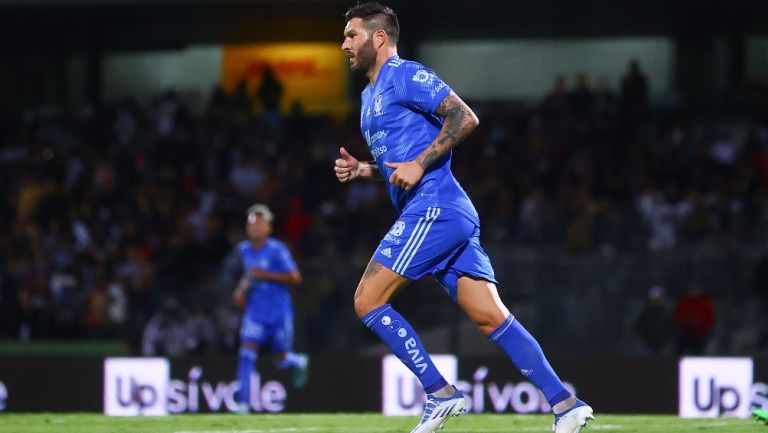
(275, 336)
(441, 242)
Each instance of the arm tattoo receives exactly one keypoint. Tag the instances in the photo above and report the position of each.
(372, 268)
(429, 159)
(458, 122)
(453, 125)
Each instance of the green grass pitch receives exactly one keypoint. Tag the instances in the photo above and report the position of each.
(357, 423)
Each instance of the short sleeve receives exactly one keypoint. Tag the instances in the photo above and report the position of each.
(285, 259)
(241, 248)
(420, 88)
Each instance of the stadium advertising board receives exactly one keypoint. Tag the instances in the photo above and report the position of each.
(205, 384)
(136, 386)
(487, 395)
(713, 387)
(194, 394)
(402, 394)
(50, 384)
(312, 74)
(144, 386)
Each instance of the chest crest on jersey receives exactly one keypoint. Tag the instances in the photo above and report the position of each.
(378, 106)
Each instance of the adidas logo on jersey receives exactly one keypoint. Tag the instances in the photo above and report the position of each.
(387, 252)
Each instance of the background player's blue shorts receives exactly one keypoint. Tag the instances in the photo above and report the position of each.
(441, 242)
(275, 335)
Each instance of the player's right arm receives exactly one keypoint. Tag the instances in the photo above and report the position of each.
(238, 296)
(348, 168)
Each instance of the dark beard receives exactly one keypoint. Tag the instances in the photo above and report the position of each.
(365, 57)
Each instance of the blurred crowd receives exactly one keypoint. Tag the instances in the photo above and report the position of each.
(120, 220)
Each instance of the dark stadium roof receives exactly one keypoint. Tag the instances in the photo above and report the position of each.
(76, 25)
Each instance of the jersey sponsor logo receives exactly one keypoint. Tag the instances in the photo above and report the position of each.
(378, 105)
(371, 139)
(421, 76)
(438, 88)
(416, 357)
(395, 240)
(397, 229)
(378, 151)
(377, 136)
(387, 252)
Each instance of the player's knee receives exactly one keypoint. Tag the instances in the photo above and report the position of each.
(249, 345)
(363, 307)
(487, 324)
(486, 329)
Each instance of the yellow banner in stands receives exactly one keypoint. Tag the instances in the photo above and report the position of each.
(313, 74)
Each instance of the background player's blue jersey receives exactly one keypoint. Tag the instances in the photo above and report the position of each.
(268, 301)
(398, 122)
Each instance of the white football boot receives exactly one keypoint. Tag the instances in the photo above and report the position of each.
(438, 410)
(574, 419)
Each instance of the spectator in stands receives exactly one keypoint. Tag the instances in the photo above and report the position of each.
(695, 319)
(152, 196)
(165, 333)
(270, 93)
(634, 89)
(582, 98)
(654, 325)
(200, 331)
(556, 103)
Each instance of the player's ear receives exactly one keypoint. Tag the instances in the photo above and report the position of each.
(380, 38)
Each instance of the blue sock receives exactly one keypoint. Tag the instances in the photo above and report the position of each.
(245, 368)
(525, 352)
(291, 360)
(394, 330)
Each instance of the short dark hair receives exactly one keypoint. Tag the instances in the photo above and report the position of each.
(376, 16)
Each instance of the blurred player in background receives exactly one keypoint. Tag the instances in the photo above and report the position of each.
(264, 289)
(411, 120)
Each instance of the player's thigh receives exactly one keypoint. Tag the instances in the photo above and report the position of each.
(281, 335)
(480, 300)
(468, 260)
(377, 286)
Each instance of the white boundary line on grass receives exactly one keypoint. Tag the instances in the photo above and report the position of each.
(275, 430)
(611, 427)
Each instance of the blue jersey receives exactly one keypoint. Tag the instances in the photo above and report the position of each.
(268, 301)
(398, 122)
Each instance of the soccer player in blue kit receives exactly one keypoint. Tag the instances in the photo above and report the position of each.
(411, 120)
(268, 272)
